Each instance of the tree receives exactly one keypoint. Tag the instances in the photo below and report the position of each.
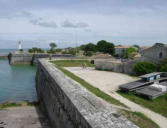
(136, 46)
(90, 47)
(52, 46)
(106, 47)
(142, 68)
(35, 50)
(130, 50)
(88, 53)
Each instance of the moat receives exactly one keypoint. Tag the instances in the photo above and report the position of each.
(17, 82)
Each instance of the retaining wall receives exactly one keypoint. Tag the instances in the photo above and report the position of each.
(69, 105)
(116, 66)
(3, 56)
(29, 58)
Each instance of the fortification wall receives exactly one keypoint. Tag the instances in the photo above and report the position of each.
(3, 56)
(69, 105)
(116, 66)
(29, 58)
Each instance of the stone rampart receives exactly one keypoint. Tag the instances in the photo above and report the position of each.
(116, 66)
(70, 105)
(3, 56)
(29, 58)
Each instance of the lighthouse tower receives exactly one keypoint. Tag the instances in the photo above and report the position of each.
(19, 43)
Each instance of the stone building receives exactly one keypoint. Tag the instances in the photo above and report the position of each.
(119, 50)
(155, 53)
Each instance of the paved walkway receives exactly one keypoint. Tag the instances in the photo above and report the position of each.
(108, 82)
(23, 117)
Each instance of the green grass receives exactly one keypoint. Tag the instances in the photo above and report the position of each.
(139, 119)
(158, 105)
(72, 63)
(9, 105)
(85, 84)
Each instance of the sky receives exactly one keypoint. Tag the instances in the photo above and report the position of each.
(74, 22)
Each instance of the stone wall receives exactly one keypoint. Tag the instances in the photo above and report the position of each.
(116, 66)
(155, 53)
(3, 56)
(29, 58)
(70, 105)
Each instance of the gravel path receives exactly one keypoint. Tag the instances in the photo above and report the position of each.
(109, 82)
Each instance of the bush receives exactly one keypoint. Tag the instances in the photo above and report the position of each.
(142, 68)
(163, 68)
(35, 50)
(88, 53)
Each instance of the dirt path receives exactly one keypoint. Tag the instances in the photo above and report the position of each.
(109, 82)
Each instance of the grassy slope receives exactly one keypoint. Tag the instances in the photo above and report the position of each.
(8, 105)
(138, 118)
(72, 63)
(158, 105)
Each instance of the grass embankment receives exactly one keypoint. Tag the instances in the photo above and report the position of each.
(72, 63)
(78, 63)
(9, 105)
(158, 105)
(139, 119)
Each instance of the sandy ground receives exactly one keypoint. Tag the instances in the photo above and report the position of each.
(22, 117)
(109, 82)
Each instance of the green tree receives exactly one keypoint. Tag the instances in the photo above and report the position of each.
(90, 47)
(52, 46)
(106, 47)
(35, 50)
(130, 50)
(136, 46)
(88, 53)
(163, 68)
(142, 68)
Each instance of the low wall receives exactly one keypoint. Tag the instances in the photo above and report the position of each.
(29, 58)
(3, 56)
(116, 66)
(69, 105)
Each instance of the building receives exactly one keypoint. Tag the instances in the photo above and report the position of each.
(155, 53)
(119, 50)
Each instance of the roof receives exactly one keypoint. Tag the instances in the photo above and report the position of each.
(150, 74)
(122, 46)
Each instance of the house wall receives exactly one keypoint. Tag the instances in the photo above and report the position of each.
(153, 53)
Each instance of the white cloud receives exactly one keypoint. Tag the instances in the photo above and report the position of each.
(42, 23)
(69, 24)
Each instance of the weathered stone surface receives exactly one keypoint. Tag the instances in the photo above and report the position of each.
(29, 58)
(23, 117)
(115, 66)
(69, 105)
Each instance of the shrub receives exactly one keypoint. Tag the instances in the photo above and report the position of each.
(163, 68)
(142, 68)
(88, 53)
(35, 50)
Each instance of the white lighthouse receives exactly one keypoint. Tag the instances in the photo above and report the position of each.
(19, 43)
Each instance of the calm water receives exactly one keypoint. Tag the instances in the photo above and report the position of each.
(7, 50)
(17, 83)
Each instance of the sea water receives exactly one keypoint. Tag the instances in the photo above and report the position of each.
(17, 82)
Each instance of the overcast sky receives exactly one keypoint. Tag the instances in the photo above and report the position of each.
(71, 22)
